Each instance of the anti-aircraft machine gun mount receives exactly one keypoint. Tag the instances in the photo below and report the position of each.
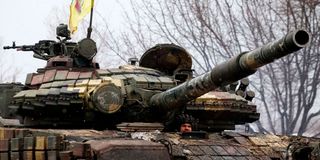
(82, 52)
(71, 91)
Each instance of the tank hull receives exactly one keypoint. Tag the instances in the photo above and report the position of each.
(51, 144)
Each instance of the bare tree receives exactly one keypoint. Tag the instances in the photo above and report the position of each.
(216, 30)
(290, 86)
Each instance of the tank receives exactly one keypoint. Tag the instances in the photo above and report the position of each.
(73, 109)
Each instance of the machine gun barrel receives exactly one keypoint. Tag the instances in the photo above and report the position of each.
(22, 48)
(230, 71)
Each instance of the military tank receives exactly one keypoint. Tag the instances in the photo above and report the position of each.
(133, 108)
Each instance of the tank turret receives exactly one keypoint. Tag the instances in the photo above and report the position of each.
(72, 89)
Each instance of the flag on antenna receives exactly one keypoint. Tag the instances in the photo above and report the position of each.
(78, 10)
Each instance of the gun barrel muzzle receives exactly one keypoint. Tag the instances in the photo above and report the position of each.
(292, 42)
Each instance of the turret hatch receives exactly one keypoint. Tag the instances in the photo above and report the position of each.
(167, 58)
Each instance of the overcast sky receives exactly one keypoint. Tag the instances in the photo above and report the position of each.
(26, 22)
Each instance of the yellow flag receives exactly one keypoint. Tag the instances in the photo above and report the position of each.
(78, 10)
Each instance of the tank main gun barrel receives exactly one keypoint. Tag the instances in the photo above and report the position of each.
(230, 71)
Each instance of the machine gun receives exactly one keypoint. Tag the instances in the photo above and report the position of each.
(41, 49)
(46, 49)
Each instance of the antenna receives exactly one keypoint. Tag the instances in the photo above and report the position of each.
(90, 24)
